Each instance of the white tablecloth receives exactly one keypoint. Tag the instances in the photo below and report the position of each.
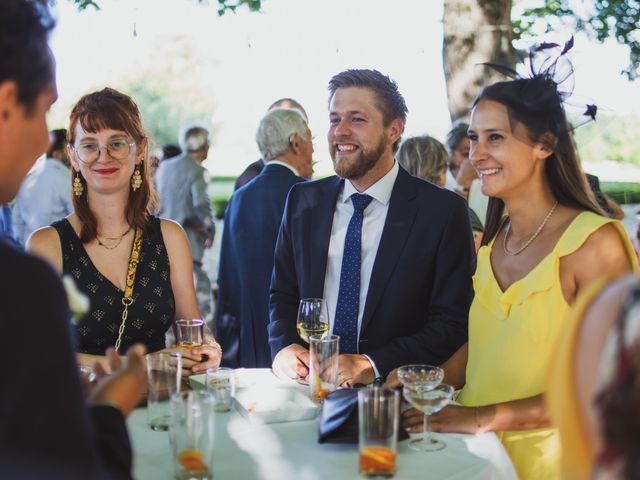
(287, 451)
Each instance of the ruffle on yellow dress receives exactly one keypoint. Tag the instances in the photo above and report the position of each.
(511, 339)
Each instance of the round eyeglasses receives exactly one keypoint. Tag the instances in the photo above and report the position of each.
(90, 152)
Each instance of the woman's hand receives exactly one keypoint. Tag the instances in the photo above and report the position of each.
(199, 359)
(392, 380)
(210, 354)
(452, 419)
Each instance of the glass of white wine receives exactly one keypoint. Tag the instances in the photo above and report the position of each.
(428, 400)
(313, 318)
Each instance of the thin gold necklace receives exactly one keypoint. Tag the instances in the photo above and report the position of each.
(532, 238)
(117, 239)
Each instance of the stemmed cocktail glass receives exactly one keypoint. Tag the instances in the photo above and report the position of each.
(424, 390)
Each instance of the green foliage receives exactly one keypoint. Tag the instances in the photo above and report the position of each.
(610, 138)
(223, 5)
(219, 206)
(169, 99)
(621, 192)
(81, 4)
(618, 19)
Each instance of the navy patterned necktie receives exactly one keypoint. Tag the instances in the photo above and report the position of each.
(346, 321)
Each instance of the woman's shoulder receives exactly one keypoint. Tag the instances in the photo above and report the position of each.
(169, 227)
(46, 244)
(588, 231)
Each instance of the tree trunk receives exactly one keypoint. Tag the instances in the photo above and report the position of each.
(475, 31)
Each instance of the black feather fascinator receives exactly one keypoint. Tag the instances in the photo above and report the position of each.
(544, 88)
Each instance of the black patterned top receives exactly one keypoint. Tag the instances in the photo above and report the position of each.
(153, 308)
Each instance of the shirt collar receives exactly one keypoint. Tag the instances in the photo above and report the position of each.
(380, 191)
(278, 162)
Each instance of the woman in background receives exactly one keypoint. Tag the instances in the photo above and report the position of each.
(134, 267)
(424, 157)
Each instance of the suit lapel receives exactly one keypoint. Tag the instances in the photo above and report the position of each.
(319, 233)
(403, 207)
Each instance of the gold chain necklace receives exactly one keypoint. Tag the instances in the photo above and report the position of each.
(532, 238)
(117, 239)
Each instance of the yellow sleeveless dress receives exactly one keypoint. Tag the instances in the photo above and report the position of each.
(511, 339)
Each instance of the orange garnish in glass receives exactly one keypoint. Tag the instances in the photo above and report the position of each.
(323, 393)
(192, 459)
(377, 459)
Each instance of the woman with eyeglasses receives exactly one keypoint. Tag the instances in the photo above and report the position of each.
(134, 267)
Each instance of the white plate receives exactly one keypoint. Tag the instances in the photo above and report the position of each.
(246, 378)
(274, 405)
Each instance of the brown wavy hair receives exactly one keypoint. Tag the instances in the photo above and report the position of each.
(110, 109)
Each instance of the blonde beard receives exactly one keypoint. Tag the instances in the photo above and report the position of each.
(360, 163)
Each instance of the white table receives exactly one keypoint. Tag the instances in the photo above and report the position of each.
(287, 451)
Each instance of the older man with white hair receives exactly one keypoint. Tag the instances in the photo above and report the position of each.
(182, 191)
(249, 238)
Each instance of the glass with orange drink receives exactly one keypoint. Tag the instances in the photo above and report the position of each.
(323, 369)
(189, 333)
(192, 434)
(378, 417)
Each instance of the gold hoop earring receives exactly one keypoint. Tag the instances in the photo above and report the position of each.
(136, 179)
(78, 188)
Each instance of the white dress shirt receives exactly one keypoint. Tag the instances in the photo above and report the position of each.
(373, 223)
(284, 164)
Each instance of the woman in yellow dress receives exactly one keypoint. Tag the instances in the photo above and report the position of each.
(545, 241)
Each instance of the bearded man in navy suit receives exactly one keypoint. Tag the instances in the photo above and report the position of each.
(401, 293)
(249, 237)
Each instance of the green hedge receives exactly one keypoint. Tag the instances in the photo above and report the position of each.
(219, 205)
(622, 192)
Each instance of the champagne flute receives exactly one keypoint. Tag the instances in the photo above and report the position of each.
(313, 318)
(428, 400)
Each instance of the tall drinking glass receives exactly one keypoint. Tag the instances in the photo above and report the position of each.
(192, 434)
(428, 400)
(378, 418)
(163, 380)
(323, 369)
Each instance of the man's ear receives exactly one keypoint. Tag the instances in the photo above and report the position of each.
(8, 99)
(396, 128)
(294, 142)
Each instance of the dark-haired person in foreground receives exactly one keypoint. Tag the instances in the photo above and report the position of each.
(46, 429)
(395, 270)
(552, 244)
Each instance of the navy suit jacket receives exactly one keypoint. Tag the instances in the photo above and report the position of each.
(249, 237)
(420, 290)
